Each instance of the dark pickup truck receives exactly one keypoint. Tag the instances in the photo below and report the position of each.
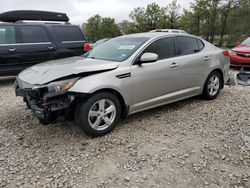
(23, 44)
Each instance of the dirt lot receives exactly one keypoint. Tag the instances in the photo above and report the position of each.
(193, 143)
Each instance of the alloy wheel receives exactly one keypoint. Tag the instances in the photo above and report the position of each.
(102, 114)
(213, 85)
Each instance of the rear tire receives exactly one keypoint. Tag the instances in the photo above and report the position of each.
(99, 114)
(212, 86)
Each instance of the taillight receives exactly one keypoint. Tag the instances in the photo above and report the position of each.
(87, 47)
(226, 53)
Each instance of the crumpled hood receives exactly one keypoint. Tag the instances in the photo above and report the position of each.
(243, 49)
(52, 70)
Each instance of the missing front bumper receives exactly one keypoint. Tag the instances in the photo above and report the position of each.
(47, 108)
(53, 110)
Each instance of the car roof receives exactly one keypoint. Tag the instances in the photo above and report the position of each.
(169, 30)
(43, 23)
(155, 34)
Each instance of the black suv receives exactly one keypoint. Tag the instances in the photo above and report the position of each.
(23, 44)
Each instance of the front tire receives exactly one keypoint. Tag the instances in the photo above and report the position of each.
(99, 114)
(43, 122)
(212, 86)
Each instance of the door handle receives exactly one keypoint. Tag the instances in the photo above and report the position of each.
(173, 65)
(206, 58)
(12, 49)
(51, 47)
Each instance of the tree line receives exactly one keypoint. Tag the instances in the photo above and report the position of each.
(222, 22)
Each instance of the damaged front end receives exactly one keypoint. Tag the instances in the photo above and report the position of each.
(51, 102)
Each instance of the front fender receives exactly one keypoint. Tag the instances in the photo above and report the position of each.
(101, 81)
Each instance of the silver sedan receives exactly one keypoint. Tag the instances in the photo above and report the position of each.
(123, 76)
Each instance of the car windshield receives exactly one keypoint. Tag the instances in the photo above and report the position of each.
(101, 41)
(118, 49)
(246, 42)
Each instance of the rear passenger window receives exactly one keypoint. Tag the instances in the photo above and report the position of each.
(68, 34)
(33, 34)
(200, 44)
(7, 35)
(164, 48)
(187, 45)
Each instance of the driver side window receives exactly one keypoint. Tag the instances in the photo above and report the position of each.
(164, 48)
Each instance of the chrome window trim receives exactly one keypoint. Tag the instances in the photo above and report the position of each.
(76, 41)
(25, 44)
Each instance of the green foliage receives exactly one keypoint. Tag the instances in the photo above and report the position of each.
(138, 16)
(98, 28)
(188, 22)
(92, 28)
(108, 28)
(173, 15)
(222, 21)
(239, 18)
(154, 17)
(127, 27)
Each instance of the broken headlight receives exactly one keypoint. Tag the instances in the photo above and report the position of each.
(58, 87)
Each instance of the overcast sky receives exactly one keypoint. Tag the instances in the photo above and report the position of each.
(80, 10)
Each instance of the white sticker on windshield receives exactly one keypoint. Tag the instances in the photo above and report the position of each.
(126, 47)
(123, 56)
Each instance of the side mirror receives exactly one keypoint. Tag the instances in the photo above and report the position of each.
(148, 58)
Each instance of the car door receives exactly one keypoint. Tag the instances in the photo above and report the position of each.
(34, 45)
(70, 40)
(7, 44)
(176, 75)
(191, 63)
(152, 82)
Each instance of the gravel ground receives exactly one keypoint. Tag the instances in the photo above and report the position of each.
(192, 143)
